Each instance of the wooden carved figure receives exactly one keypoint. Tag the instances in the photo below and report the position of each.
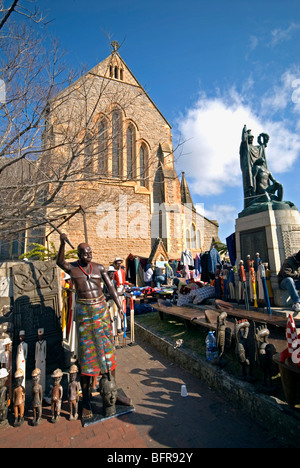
(245, 347)
(57, 394)
(19, 398)
(37, 397)
(73, 393)
(265, 353)
(6, 362)
(96, 346)
(4, 400)
(22, 352)
(108, 391)
(40, 357)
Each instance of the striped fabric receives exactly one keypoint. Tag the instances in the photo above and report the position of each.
(291, 335)
(96, 350)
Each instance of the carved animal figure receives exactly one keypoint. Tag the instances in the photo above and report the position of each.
(265, 354)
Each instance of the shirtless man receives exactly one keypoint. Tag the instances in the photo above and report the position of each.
(265, 186)
(96, 351)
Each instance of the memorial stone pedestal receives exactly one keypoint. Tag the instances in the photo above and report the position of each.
(275, 234)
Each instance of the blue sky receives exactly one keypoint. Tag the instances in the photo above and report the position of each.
(210, 67)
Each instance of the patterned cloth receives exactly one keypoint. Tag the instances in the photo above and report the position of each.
(196, 296)
(292, 351)
(291, 335)
(96, 349)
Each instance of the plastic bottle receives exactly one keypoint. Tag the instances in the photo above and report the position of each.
(211, 347)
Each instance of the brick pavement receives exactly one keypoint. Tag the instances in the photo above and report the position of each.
(162, 418)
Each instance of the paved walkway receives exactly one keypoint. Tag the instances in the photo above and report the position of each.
(162, 417)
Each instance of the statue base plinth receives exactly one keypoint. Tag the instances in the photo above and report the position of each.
(98, 413)
(275, 235)
(267, 206)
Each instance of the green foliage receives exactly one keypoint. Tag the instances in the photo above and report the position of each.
(221, 248)
(40, 252)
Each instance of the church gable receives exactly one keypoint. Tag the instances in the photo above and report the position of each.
(123, 158)
(114, 67)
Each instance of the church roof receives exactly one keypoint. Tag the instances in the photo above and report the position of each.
(158, 247)
(185, 192)
(102, 70)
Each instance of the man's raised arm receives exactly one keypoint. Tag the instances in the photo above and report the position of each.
(60, 261)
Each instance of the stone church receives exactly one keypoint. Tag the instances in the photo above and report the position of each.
(111, 151)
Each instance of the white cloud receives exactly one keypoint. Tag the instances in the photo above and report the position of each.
(280, 96)
(222, 213)
(280, 35)
(211, 131)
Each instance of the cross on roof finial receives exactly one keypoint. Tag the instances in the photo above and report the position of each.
(115, 46)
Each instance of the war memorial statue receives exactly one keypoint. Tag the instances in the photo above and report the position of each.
(260, 187)
(266, 224)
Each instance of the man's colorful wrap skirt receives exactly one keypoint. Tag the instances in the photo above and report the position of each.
(96, 349)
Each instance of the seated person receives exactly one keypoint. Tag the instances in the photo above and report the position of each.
(148, 274)
(159, 277)
(169, 273)
(289, 279)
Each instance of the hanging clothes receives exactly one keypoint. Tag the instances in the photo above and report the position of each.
(231, 284)
(197, 264)
(187, 258)
(174, 266)
(204, 267)
(131, 269)
(186, 272)
(214, 259)
(269, 285)
(231, 246)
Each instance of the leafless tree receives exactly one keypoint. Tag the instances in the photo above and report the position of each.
(27, 9)
(51, 134)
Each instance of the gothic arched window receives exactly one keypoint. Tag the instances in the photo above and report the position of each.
(116, 142)
(198, 239)
(187, 239)
(102, 147)
(130, 148)
(193, 236)
(143, 165)
(88, 155)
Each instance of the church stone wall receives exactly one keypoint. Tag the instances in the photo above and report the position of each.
(118, 214)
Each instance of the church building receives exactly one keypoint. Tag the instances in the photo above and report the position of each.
(112, 171)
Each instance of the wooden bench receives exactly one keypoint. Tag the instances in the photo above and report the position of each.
(207, 316)
(258, 317)
(188, 315)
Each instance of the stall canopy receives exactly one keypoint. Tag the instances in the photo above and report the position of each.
(135, 269)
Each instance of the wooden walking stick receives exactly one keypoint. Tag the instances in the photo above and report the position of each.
(59, 232)
(116, 325)
(243, 280)
(131, 318)
(252, 274)
(125, 321)
(262, 272)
